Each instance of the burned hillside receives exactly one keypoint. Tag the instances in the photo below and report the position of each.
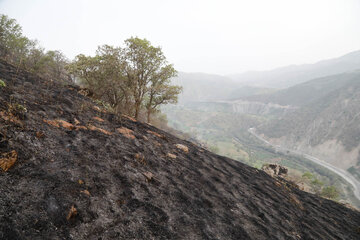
(72, 170)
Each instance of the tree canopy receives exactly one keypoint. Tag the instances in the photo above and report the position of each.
(132, 79)
(13, 45)
(23, 52)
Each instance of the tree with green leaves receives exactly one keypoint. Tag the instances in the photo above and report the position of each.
(130, 79)
(160, 91)
(55, 65)
(330, 192)
(14, 47)
(103, 75)
(148, 73)
(23, 52)
(50, 64)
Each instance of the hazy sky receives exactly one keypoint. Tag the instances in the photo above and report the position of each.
(213, 36)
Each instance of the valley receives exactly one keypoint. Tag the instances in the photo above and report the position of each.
(317, 117)
(225, 133)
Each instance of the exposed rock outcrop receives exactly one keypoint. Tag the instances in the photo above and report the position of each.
(275, 170)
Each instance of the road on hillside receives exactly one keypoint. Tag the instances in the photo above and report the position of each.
(344, 174)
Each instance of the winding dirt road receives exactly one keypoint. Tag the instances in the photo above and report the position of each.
(344, 174)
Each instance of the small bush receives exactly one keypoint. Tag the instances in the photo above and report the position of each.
(21, 108)
(2, 84)
(330, 192)
(308, 175)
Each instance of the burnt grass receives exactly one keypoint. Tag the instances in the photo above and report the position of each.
(128, 186)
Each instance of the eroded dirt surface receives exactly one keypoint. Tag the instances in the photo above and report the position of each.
(82, 173)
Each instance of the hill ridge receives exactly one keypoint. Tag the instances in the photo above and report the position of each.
(292, 75)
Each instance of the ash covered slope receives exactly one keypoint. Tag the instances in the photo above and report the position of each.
(93, 175)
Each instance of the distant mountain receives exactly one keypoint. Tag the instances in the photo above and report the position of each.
(247, 91)
(204, 87)
(200, 87)
(295, 74)
(307, 92)
(328, 126)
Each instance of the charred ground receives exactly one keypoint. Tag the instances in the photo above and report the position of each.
(78, 172)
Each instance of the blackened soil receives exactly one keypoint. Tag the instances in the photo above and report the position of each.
(129, 187)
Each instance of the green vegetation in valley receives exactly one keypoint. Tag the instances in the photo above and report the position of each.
(225, 133)
(317, 186)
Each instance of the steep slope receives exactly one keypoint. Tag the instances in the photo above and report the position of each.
(295, 74)
(327, 127)
(82, 173)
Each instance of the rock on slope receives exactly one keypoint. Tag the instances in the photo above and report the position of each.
(82, 173)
